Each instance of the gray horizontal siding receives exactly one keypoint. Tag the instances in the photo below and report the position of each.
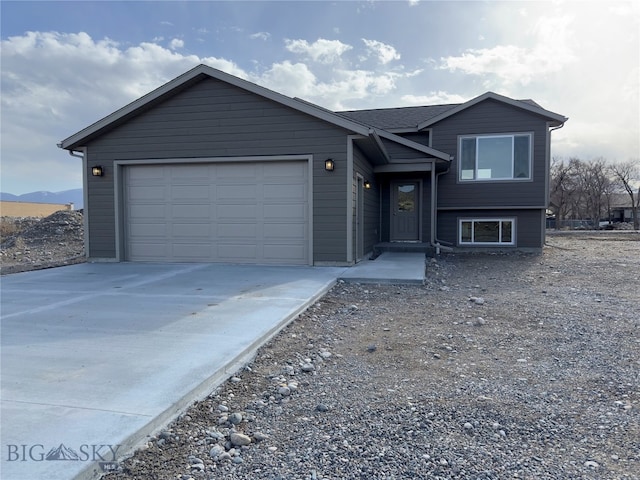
(399, 152)
(486, 118)
(215, 119)
(528, 224)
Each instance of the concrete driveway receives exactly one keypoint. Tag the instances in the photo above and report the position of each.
(97, 356)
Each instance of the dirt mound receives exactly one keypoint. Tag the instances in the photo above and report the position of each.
(32, 243)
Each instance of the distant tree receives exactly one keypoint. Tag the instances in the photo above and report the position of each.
(627, 175)
(561, 190)
(594, 183)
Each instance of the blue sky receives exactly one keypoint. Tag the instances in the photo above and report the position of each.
(67, 64)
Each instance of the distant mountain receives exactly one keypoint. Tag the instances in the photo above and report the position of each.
(67, 196)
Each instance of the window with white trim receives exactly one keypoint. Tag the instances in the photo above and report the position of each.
(487, 231)
(495, 157)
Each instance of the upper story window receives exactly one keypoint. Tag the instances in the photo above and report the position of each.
(495, 157)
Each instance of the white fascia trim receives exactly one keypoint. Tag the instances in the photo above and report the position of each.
(500, 98)
(299, 105)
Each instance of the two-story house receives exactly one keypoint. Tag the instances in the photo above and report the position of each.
(212, 168)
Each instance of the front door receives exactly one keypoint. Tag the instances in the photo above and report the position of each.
(405, 211)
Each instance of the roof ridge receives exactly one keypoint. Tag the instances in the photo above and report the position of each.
(399, 108)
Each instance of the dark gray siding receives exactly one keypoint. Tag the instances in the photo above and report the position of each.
(528, 225)
(399, 152)
(215, 119)
(371, 201)
(485, 118)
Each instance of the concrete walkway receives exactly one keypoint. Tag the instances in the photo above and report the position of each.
(389, 267)
(95, 357)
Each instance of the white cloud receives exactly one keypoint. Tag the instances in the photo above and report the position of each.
(433, 98)
(385, 53)
(54, 84)
(293, 79)
(176, 43)
(322, 50)
(512, 64)
(260, 36)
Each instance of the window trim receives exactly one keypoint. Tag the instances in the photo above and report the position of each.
(499, 243)
(511, 135)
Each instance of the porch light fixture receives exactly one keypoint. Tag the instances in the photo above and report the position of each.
(367, 184)
(97, 171)
(329, 165)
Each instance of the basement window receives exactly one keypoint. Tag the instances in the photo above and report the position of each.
(482, 231)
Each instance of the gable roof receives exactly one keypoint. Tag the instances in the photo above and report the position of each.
(408, 119)
(528, 105)
(203, 71)
(398, 118)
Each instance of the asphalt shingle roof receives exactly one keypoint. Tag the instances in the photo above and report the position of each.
(402, 117)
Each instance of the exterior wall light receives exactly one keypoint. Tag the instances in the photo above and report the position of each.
(97, 171)
(367, 184)
(329, 165)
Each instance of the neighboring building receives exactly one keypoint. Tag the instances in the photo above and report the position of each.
(620, 208)
(210, 167)
(31, 209)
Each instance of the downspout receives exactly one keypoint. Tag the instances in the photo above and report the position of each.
(435, 242)
(547, 192)
(85, 196)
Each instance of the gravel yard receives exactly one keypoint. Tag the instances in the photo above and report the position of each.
(501, 366)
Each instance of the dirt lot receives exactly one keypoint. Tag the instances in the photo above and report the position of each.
(30, 243)
(501, 366)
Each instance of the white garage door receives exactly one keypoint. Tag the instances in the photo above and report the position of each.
(223, 212)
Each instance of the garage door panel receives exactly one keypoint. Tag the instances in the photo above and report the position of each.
(148, 250)
(190, 210)
(197, 172)
(246, 212)
(237, 230)
(150, 230)
(190, 192)
(191, 230)
(286, 252)
(283, 211)
(190, 251)
(147, 192)
(238, 253)
(240, 171)
(284, 170)
(148, 173)
(218, 212)
(276, 192)
(146, 211)
(293, 231)
(228, 193)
